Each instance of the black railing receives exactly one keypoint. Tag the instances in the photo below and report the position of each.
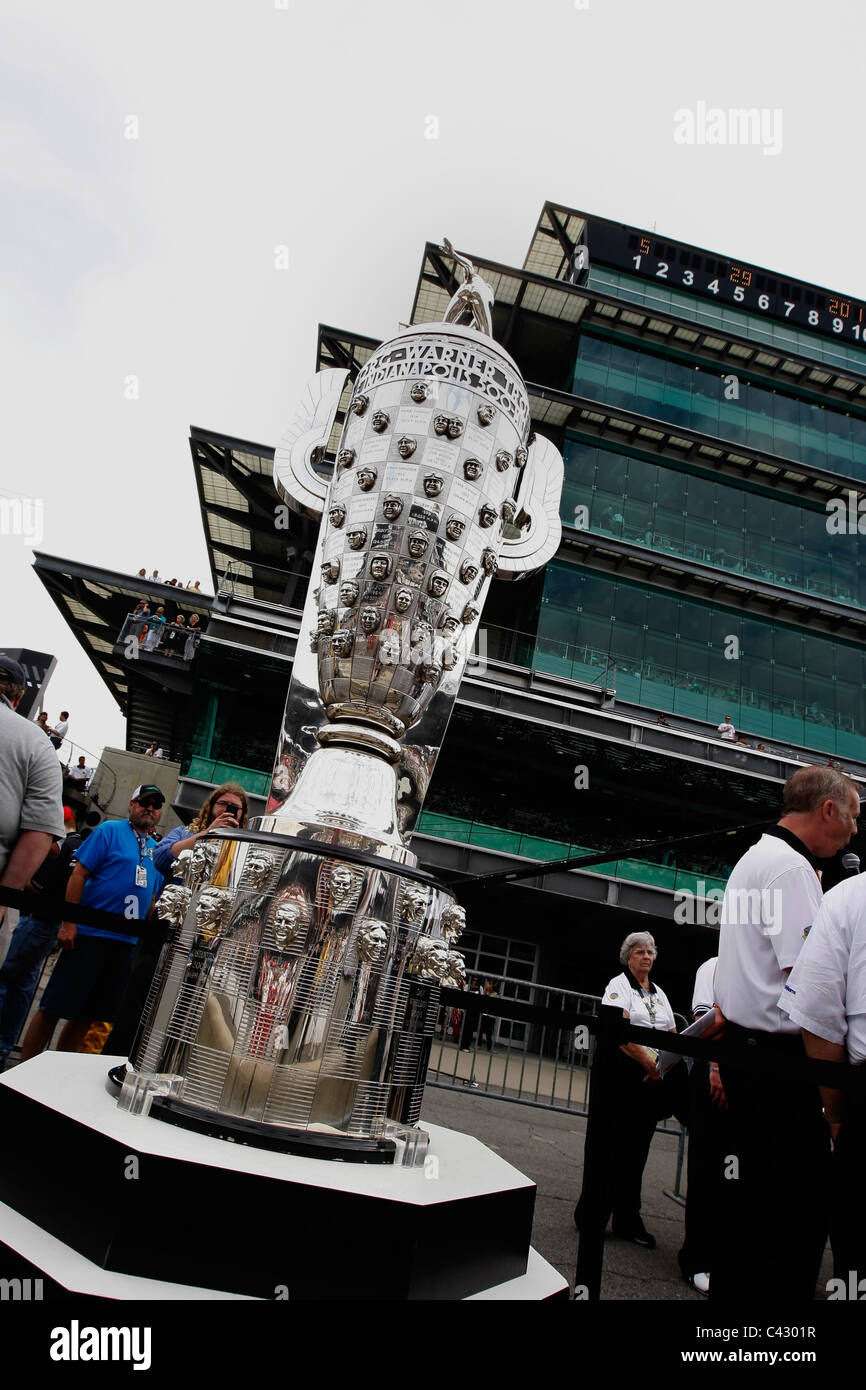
(142, 635)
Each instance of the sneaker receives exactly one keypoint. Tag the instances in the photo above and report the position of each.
(638, 1234)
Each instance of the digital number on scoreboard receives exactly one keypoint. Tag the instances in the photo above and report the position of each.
(688, 269)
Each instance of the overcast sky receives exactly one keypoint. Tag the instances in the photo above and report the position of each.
(306, 124)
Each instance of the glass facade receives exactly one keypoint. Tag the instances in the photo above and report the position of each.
(771, 421)
(714, 523)
(756, 327)
(238, 701)
(684, 656)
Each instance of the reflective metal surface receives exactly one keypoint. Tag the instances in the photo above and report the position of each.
(300, 986)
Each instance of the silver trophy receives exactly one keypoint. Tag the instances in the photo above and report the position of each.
(301, 991)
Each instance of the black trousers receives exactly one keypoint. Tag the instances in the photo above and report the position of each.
(848, 1208)
(709, 1142)
(776, 1179)
(617, 1147)
(144, 962)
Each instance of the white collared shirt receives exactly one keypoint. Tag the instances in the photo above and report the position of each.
(621, 993)
(771, 900)
(702, 997)
(826, 990)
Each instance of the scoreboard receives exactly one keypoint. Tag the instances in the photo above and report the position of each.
(693, 271)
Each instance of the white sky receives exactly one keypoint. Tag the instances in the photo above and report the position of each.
(304, 126)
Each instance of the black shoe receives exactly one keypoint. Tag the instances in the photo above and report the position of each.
(639, 1235)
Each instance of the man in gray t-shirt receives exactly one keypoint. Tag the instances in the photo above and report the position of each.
(31, 785)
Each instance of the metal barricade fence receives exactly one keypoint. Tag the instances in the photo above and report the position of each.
(538, 1063)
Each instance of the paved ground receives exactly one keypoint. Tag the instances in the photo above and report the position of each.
(547, 1146)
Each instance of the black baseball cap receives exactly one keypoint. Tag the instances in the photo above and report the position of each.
(147, 791)
(12, 669)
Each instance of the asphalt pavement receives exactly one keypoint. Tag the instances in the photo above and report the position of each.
(547, 1146)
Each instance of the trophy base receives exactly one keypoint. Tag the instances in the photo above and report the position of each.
(149, 1210)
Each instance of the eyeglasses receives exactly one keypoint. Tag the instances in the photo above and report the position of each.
(151, 805)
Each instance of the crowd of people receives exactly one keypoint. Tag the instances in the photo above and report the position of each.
(775, 1151)
(153, 630)
(155, 578)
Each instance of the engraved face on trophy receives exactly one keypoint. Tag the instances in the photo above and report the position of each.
(487, 515)
(520, 456)
(470, 613)
(211, 911)
(345, 458)
(366, 478)
(204, 856)
(503, 460)
(429, 959)
(489, 562)
(422, 640)
(508, 509)
(455, 428)
(419, 391)
(380, 566)
(392, 506)
(258, 867)
(380, 421)
(438, 584)
(472, 469)
(349, 592)
(341, 885)
(454, 528)
(486, 415)
(403, 600)
(431, 673)
(371, 940)
(337, 515)
(454, 974)
(468, 572)
(326, 621)
(174, 901)
(450, 625)
(417, 544)
(433, 484)
(288, 923)
(359, 404)
(330, 571)
(342, 642)
(369, 618)
(357, 537)
(406, 446)
(413, 903)
(440, 424)
(452, 922)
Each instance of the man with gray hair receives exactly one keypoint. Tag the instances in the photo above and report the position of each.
(773, 1232)
(31, 783)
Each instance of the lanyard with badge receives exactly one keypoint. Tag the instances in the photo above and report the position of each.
(648, 999)
(143, 853)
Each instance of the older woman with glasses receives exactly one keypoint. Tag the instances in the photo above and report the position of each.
(633, 1099)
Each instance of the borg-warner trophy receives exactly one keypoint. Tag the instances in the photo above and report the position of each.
(298, 996)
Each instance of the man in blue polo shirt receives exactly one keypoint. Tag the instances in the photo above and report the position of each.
(114, 870)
